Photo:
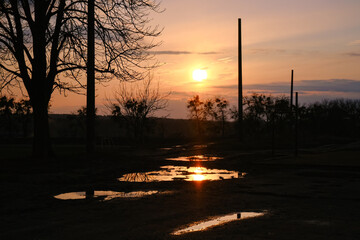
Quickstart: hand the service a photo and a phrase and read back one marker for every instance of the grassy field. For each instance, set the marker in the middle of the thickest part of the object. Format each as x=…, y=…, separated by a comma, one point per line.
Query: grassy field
x=313, y=196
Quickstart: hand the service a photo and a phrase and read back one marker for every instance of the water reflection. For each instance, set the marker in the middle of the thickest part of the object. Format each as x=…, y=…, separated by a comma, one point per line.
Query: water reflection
x=219, y=220
x=200, y=146
x=105, y=195
x=173, y=173
x=195, y=158
x=165, y=149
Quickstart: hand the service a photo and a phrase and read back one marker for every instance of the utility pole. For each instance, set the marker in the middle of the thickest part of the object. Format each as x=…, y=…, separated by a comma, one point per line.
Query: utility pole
x=296, y=123
x=240, y=92
x=90, y=91
x=291, y=90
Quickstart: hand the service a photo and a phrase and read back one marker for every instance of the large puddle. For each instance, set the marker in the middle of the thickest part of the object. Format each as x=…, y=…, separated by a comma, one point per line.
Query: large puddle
x=184, y=147
x=181, y=173
x=104, y=195
x=215, y=221
x=195, y=158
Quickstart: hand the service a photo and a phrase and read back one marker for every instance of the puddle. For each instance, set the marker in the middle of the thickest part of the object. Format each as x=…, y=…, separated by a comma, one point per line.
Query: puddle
x=177, y=147
x=104, y=195
x=200, y=146
x=181, y=173
x=215, y=221
x=195, y=158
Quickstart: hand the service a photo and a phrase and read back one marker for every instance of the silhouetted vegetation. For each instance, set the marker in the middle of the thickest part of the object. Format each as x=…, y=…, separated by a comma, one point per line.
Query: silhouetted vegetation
x=209, y=115
x=270, y=120
x=43, y=48
x=340, y=117
x=15, y=117
x=136, y=105
x=267, y=121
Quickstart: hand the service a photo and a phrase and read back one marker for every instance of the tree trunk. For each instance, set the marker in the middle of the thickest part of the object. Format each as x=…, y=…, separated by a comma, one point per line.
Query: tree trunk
x=41, y=144
x=41, y=86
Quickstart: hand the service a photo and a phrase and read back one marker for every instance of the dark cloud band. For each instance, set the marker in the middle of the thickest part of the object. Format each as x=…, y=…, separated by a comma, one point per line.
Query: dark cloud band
x=331, y=85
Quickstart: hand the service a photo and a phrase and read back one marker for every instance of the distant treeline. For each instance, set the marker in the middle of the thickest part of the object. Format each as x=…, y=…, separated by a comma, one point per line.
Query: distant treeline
x=15, y=118
x=266, y=119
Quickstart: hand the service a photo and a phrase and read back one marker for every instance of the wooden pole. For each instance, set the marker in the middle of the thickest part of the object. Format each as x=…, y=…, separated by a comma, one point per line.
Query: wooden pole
x=291, y=90
x=273, y=135
x=240, y=93
x=90, y=95
x=296, y=123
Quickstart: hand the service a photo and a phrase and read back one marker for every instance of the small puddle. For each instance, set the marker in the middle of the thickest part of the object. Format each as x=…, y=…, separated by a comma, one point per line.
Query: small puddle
x=167, y=149
x=181, y=173
x=219, y=220
x=104, y=195
x=200, y=146
x=195, y=158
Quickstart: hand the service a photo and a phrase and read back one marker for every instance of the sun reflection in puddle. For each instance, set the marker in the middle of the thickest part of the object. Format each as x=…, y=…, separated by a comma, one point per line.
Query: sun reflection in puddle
x=195, y=158
x=104, y=195
x=173, y=173
x=219, y=220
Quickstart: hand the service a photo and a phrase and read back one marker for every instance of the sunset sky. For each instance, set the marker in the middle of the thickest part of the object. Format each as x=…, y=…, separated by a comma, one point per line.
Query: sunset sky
x=319, y=39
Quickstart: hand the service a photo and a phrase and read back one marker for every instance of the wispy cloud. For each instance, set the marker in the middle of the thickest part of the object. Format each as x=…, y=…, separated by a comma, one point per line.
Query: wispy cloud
x=169, y=52
x=330, y=85
x=226, y=86
x=265, y=51
x=225, y=59
x=354, y=43
x=353, y=54
x=208, y=53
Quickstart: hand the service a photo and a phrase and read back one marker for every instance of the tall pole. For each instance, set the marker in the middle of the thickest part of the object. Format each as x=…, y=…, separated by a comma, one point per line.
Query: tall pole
x=296, y=123
x=90, y=94
x=291, y=89
x=240, y=94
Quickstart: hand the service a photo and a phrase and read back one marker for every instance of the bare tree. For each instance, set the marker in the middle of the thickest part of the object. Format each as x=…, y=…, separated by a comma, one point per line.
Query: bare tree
x=214, y=109
x=221, y=112
x=136, y=104
x=43, y=48
x=196, y=108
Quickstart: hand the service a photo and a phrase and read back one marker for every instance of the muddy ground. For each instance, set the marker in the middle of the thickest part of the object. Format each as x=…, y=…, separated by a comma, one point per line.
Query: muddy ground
x=313, y=196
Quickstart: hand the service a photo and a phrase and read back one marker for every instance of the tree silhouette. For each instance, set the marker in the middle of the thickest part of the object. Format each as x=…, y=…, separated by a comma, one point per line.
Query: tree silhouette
x=43, y=48
x=221, y=112
x=196, y=108
x=6, y=111
x=24, y=114
x=135, y=104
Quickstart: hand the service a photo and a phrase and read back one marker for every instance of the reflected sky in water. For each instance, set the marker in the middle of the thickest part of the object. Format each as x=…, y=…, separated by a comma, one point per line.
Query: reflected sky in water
x=200, y=146
x=215, y=221
x=195, y=158
x=105, y=195
x=173, y=173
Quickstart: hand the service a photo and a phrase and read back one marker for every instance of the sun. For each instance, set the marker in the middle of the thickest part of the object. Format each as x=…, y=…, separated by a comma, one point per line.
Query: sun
x=199, y=75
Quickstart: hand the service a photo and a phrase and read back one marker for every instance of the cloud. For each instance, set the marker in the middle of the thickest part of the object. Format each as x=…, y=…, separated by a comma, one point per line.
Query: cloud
x=331, y=85
x=208, y=53
x=226, y=87
x=169, y=52
x=265, y=51
x=180, y=93
x=353, y=54
x=354, y=43
x=225, y=59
